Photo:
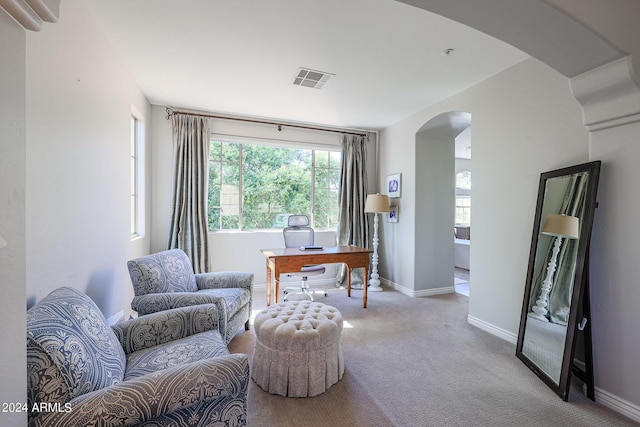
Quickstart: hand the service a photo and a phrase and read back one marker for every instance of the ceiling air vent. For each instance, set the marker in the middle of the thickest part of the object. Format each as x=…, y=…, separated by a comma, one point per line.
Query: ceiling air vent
x=311, y=78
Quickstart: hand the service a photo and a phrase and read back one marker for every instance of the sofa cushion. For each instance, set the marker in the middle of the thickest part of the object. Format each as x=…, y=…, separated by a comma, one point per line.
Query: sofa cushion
x=167, y=271
x=185, y=350
x=71, y=350
x=234, y=298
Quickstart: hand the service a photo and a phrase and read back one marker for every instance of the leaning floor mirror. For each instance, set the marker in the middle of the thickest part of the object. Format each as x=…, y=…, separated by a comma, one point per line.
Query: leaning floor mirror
x=555, y=311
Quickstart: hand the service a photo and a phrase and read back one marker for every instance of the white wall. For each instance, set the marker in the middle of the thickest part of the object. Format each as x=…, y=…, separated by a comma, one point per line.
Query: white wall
x=519, y=117
x=615, y=270
x=232, y=250
x=526, y=121
x=463, y=165
x=435, y=210
x=81, y=239
x=13, y=369
x=79, y=103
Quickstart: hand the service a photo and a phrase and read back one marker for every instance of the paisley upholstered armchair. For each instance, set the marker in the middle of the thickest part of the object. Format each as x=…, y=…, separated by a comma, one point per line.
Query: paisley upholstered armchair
x=166, y=280
x=169, y=368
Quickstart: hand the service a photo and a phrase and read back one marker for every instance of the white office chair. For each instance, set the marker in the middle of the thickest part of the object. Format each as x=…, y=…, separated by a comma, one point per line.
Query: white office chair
x=298, y=234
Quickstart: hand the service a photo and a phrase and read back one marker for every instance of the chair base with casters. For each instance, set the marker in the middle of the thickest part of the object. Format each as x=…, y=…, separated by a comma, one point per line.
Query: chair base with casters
x=299, y=234
x=309, y=270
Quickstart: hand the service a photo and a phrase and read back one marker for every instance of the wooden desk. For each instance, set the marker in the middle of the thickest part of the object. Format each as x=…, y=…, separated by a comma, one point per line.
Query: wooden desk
x=291, y=260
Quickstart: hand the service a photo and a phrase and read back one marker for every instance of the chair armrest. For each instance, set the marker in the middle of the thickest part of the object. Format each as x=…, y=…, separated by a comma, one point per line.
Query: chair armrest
x=152, y=303
x=164, y=326
x=225, y=279
x=192, y=385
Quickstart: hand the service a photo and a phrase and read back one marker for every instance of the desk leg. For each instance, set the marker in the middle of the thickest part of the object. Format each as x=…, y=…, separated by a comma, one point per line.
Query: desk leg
x=276, y=278
x=348, y=281
x=268, y=284
x=365, y=286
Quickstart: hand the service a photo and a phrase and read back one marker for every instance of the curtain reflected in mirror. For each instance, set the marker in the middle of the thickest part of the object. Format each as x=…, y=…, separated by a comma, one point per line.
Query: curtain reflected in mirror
x=562, y=229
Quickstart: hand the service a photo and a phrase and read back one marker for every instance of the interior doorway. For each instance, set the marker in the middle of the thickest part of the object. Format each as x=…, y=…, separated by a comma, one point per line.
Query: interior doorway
x=462, y=228
x=435, y=202
x=461, y=281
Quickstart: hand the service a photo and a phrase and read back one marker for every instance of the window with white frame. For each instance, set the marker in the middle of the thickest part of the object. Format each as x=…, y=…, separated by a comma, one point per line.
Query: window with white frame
x=463, y=198
x=137, y=177
x=463, y=180
x=463, y=210
x=256, y=186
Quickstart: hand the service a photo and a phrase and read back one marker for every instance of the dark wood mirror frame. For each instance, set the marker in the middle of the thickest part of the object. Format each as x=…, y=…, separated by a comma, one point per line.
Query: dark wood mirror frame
x=578, y=329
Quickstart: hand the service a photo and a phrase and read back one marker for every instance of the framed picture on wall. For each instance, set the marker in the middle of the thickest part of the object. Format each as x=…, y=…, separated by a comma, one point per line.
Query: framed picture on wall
x=394, y=185
x=393, y=214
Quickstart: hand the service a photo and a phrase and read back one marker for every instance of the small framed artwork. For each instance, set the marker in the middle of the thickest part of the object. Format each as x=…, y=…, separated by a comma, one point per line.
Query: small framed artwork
x=393, y=214
x=394, y=185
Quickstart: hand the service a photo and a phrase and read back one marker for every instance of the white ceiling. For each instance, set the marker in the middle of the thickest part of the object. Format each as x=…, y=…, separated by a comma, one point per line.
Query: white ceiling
x=241, y=56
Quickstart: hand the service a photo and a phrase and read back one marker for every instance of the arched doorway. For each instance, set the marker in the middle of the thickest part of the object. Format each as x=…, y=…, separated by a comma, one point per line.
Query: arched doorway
x=436, y=202
x=462, y=216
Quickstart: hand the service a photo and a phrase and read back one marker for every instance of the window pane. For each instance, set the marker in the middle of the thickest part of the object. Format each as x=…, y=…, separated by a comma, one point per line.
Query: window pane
x=136, y=179
x=133, y=175
x=321, y=201
x=276, y=182
x=230, y=152
x=230, y=199
x=321, y=219
x=224, y=185
x=322, y=178
x=334, y=178
x=333, y=218
x=463, y=210
x=214, y=218
x=214, y=150
x=214, y=173
x=463, y=180
x=333, y=198
x=230, y=222
x=322, y=159
x=336, y=160
x=327, y=182
x=258, y=186
x=230, y=174
x=133, y=215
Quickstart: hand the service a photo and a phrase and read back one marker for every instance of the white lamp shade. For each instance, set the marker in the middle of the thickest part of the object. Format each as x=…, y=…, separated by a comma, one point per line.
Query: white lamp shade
x=562, y=226
x=377, y=203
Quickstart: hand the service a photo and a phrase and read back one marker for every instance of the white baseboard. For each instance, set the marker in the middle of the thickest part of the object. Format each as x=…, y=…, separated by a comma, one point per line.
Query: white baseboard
x=603, y=397
x=493, y=330
x=617, y=404
x=420, y=293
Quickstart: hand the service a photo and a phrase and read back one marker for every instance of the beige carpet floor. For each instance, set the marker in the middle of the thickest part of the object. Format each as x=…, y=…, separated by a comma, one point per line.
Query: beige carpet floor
x=416, y=362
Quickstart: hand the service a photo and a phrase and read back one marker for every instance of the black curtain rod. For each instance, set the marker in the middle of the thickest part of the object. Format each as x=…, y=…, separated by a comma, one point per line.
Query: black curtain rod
x=171, y=112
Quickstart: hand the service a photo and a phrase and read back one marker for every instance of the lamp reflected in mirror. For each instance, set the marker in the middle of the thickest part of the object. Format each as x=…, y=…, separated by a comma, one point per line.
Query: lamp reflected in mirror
x=560, y=226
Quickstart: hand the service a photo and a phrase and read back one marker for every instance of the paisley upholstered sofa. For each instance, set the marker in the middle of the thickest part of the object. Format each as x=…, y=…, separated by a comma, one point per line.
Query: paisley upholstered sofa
x=166, y=280
x=168, y=368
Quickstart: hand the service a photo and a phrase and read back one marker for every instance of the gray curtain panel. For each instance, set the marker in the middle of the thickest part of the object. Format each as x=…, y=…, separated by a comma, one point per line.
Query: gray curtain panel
x=353, y=228
x=562, y=288
x=189, y=225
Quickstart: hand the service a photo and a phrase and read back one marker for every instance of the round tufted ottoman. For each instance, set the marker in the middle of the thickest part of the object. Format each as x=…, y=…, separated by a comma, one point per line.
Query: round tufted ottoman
x=298, y=350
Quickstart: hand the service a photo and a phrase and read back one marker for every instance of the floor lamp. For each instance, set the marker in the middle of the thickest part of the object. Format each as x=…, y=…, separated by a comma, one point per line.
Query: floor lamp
x=559, y=226
x=376, y=203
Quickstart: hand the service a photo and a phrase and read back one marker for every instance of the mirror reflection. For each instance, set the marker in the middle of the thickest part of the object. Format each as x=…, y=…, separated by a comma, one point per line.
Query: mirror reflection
x=554, y=272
